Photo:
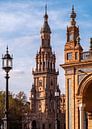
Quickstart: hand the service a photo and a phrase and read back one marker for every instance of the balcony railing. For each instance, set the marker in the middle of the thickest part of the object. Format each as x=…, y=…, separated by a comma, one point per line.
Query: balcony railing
x=86, y=55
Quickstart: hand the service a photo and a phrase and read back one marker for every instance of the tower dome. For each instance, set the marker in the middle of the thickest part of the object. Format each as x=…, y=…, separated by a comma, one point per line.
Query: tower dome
x=45, y=28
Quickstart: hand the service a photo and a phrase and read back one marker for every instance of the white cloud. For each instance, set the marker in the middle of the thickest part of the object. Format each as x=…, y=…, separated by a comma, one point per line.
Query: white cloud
x=9, y=22
x=18, y=72
x=13, y=17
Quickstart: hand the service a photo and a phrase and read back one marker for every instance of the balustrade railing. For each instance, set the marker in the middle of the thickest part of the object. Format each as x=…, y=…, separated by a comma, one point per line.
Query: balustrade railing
x=86, y=55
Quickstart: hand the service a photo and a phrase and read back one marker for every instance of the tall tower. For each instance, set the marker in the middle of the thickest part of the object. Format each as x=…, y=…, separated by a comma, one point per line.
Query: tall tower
x=78, y=79
x=72, y=56
x=45, y=81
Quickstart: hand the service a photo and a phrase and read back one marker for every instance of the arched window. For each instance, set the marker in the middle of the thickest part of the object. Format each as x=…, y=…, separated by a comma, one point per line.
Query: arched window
x=69, y=56
x=49, y=126
x=33, y=124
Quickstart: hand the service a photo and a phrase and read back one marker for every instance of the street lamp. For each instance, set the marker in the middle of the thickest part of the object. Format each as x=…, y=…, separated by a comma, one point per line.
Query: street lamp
x=7, y=66
x=57, y=94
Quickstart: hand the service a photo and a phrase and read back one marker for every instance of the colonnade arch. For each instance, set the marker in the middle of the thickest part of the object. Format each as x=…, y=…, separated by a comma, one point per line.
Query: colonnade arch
x=84, y=95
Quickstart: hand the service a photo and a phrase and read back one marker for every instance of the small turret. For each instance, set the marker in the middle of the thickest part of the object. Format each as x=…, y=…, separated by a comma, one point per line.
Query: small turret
x=78, y=40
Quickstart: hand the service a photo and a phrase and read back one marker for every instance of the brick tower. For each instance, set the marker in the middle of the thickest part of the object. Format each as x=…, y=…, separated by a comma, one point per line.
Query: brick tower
x=45, y=107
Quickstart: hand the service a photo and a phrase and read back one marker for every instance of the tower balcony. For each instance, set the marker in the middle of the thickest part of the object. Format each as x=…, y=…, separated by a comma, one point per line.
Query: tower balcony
x=45, y=71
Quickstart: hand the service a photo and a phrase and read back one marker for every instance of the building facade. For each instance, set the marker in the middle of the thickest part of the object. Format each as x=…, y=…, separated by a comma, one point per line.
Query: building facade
x=45, y=95
x=78, y=79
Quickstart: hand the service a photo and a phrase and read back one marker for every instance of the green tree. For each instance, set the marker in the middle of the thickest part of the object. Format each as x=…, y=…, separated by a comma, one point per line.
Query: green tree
x=18, y=106
x=2, y=104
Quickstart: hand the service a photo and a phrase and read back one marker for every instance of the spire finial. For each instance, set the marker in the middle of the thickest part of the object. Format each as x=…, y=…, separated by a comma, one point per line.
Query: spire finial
x=7, y=49
x=72, y=8
x=46, y=15
x=45, y=8
x=73, y=16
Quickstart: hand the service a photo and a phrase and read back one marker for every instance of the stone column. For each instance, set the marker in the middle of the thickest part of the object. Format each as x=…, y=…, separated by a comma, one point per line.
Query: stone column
x=67, y=110
x=81, y=109
x=89, y=120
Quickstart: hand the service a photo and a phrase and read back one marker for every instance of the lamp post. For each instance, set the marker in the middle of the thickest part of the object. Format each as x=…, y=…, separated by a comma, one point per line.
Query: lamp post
x=56, y=108
x=7, y=66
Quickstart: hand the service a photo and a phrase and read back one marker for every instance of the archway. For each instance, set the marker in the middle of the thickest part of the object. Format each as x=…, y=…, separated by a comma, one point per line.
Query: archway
x=87, y=98
x=85, y=93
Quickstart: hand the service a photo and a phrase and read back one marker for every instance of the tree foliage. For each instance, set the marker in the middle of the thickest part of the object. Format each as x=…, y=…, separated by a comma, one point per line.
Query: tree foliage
x=2, y=104
x=18, y=106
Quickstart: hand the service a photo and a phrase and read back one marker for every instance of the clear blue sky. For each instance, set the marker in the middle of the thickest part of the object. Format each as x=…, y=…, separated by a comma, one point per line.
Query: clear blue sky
x=20, y=24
